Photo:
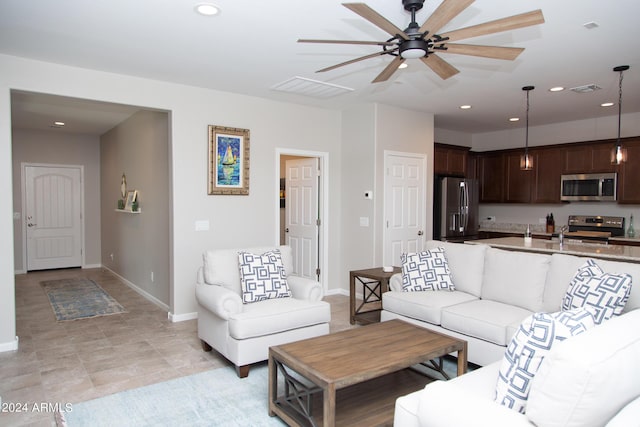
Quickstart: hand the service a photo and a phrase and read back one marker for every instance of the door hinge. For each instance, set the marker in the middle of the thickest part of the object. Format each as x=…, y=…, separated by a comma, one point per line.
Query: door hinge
x=317, y=272
x=318, y=222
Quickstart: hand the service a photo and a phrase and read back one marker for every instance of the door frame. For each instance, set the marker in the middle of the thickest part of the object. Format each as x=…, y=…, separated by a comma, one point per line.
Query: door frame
x=23, y=189
x=323, y=203
x=423, y=158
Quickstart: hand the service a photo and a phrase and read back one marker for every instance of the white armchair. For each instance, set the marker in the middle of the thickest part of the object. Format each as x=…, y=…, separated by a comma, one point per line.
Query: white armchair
x=243, y=333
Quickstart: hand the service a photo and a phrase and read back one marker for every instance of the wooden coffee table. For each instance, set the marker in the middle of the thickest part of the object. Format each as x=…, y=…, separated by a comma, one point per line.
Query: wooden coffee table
x=332, y=362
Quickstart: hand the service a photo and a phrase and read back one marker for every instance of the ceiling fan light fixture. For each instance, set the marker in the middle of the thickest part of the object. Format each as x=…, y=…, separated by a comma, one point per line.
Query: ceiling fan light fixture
x=412, y=49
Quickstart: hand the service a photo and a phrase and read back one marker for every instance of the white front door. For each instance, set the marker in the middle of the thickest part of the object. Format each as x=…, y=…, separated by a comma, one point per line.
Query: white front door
x=404, y=205
x=53, y=217
x=301, y=215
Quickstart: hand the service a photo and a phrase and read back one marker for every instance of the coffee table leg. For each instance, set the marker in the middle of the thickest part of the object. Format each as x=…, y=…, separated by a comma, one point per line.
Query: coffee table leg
x=462, y=360
x=273, y=381
x=329, y=401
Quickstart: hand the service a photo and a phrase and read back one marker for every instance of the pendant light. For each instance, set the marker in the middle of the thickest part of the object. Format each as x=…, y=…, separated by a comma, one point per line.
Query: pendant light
x=526, y=160
x=619, y=153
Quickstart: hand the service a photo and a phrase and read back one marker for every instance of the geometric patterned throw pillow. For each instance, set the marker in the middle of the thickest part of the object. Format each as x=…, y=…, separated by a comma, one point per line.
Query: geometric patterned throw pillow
x=426, y=271
x=262, y=277
x=604, y=294
x=528, y=348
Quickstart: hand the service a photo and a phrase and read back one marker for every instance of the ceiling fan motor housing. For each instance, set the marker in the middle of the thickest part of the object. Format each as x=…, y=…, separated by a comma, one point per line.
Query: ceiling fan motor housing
x=412, y=5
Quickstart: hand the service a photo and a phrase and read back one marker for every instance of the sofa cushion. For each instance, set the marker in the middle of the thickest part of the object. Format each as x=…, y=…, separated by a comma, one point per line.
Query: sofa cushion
x=466, y=263
x=515, y=278
x=277, y=315
x=262, y=276
x=604, y=294
x=426, y=271
x=524, y=354
x=586, y=380
x=426, y=306
x=220, y=266
x=484, y=319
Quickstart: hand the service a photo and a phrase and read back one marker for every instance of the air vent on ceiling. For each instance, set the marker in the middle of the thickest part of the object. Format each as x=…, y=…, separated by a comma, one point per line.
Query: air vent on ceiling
x=309, y=87
x=586, y=88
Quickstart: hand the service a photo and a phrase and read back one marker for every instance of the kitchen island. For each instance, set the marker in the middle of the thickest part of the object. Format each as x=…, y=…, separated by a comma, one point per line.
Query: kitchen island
x=595, y=250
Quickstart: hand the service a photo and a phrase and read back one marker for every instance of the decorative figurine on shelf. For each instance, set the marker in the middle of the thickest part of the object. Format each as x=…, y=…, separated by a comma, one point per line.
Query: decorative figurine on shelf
x=134, y=206
x=120, y=204
x=123, y=192
x=630, y=231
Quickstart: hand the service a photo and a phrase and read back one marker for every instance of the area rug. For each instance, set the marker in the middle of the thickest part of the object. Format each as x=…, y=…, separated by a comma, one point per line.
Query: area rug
x=73, y=299
x=212, y=398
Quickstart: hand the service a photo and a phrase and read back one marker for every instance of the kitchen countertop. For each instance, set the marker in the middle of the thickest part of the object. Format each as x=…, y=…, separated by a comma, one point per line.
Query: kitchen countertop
x=595, y=250
x=519, y=230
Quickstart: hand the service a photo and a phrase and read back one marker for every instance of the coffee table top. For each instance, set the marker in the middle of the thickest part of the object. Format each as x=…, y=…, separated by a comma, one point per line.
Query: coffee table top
x=356, y=355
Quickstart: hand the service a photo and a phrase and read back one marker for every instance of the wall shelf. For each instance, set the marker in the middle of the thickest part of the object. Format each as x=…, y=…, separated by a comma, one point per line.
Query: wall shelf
x=129, y=211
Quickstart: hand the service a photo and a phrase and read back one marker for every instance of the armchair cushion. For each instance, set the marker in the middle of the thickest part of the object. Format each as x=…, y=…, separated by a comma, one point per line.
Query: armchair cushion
x=277, y=315
x=262, y=276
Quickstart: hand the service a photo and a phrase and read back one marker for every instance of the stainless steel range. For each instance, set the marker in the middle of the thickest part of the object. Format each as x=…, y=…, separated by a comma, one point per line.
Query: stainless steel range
x=595, y=228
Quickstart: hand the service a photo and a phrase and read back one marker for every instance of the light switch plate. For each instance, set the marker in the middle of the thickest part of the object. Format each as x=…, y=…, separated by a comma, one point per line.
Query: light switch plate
x=202, y=225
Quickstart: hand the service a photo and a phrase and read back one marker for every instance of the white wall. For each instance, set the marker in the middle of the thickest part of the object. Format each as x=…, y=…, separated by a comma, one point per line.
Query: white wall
x=236, y=221
x=446, y=136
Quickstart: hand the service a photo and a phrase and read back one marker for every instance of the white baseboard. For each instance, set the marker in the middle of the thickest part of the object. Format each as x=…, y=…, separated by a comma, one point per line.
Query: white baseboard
x=93, y=266
x=20, y=272
x=182, y=317
x=142, y=292
x=9, y=346
x=339, y=291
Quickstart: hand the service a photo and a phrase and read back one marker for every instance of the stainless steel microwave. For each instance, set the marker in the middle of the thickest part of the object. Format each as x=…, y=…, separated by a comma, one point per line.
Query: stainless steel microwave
x=589, y=187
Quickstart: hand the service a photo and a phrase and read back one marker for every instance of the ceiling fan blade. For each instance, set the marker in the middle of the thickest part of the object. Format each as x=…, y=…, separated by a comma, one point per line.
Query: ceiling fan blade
x=505, y=24
x=495, y=52
x=440, y=66
x=375, y=18
x=347, y=42
x=351, y=61
x=447, y=10
x=389, y=70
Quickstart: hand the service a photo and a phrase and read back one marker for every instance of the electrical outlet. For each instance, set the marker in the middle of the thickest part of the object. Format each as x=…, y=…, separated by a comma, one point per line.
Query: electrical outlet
x=111, y=256
x=542, y=220
x=152, y=277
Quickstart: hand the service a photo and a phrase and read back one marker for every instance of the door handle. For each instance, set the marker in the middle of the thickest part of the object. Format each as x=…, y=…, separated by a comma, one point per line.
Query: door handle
x=420, y=233
x=286, y=230
x=31, y=225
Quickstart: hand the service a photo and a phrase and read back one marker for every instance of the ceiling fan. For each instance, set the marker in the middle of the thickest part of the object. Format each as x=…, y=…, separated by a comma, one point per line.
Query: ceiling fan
x=425, y=43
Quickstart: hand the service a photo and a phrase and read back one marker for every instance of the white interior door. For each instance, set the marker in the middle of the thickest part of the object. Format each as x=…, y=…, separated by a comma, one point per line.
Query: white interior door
x=53, y=217
x=301, y=215
x=404, y=205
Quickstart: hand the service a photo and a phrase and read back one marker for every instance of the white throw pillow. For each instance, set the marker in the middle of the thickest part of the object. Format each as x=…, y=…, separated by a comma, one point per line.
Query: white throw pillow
x=532, y=342
x=426, y=271
x=604, y=294
x=262, y=277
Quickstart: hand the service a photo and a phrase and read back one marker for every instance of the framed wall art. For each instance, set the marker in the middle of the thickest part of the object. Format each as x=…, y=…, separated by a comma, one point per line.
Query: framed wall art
x=228, y=161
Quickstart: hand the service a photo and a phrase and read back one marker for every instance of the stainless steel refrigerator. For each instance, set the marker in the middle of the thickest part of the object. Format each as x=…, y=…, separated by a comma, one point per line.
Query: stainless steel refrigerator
x=455, y=209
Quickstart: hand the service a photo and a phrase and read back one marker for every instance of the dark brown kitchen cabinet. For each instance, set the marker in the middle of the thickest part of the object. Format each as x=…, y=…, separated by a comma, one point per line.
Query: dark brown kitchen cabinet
x=547, y=172
x=491, y=176
x=450, y=160
x=588, y=158
x=629, y=174
x=517, y=181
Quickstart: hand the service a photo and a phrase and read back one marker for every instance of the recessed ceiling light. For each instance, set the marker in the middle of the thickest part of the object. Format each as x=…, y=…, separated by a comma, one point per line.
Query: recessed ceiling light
x=465, y=107
x=514, y=119
x=590, y=25
x=58, y=123
x=556, y=89
x=403, y=65
x=207, y=9
x=607, y=104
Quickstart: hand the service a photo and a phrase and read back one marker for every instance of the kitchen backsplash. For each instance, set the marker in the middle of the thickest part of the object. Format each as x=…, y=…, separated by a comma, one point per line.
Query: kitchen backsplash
x=510, y=227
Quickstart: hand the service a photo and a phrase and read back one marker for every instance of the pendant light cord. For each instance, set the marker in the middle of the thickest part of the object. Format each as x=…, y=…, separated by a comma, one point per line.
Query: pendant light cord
x=619, y=105
x=526, y=138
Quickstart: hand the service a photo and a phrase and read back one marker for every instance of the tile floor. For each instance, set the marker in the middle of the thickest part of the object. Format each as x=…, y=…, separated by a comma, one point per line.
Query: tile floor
x=74, y=361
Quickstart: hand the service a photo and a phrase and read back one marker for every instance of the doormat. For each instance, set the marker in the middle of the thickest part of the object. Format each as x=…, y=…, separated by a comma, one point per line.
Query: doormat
x=73, y=299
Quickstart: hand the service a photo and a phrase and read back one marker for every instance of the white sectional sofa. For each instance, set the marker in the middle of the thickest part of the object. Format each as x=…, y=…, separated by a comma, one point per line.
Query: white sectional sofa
x=495, y=290
x=590, y=379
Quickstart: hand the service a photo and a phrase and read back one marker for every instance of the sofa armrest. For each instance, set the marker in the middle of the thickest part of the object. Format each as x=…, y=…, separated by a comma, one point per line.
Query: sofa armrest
x=220, y=301
x=441, y=402
x=305, y=289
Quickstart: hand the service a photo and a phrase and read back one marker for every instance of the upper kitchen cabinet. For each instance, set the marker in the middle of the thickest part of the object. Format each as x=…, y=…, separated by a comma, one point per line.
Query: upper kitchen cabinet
x=517, y=181
x=491, y=176
x=588, y=158
x=450, y=160
x=546, y=181
x=629, y=173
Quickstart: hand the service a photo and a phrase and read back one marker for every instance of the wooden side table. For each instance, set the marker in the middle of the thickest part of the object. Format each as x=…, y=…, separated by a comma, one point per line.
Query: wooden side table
x=374, y=283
